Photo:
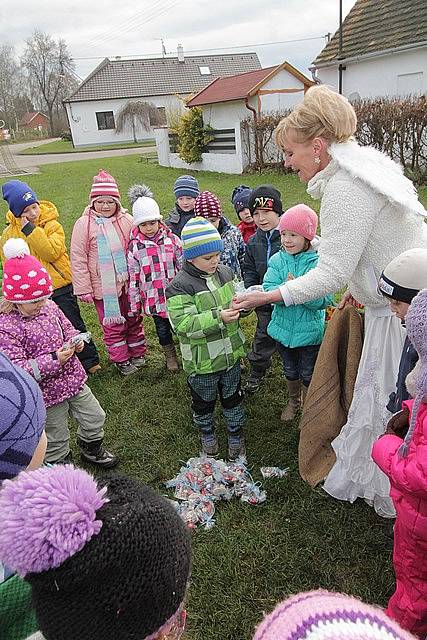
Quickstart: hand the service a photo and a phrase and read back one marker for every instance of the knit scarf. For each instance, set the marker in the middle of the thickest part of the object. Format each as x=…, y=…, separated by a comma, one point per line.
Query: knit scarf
x=113, y=268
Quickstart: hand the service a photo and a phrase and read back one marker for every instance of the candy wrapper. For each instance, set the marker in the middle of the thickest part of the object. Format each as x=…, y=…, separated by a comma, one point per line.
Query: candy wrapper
x=274, y=472
x=204, y=481
x=80, y=337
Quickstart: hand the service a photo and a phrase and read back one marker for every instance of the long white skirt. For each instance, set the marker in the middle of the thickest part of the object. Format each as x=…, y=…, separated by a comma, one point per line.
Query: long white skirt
x=354, y=474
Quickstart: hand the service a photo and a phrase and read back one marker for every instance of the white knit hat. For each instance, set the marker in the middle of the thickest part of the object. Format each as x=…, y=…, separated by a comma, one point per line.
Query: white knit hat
x=144, y=207
x=405, y=276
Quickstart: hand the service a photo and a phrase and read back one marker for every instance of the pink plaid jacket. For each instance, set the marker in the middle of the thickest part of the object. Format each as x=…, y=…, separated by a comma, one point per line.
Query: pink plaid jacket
x=152, y=265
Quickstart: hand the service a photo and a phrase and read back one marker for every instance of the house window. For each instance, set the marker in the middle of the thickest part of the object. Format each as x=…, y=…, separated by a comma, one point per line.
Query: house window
x=105, y=120
x=205, y=71
x=161, y=117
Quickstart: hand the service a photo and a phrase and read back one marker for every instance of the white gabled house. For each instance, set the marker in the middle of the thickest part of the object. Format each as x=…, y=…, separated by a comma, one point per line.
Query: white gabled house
x=383, y=52
x=92, y=109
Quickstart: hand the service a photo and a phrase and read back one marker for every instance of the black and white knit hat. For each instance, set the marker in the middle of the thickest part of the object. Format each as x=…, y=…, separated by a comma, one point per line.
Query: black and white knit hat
x=404, y=276
x=107, y=559
x=266, y=197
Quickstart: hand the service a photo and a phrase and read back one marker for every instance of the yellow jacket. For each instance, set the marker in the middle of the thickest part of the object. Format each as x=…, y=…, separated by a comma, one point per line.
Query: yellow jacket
x=46, y=242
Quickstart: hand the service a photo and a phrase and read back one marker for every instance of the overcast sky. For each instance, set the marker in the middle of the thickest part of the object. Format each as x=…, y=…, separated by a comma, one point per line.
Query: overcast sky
x=108, y=28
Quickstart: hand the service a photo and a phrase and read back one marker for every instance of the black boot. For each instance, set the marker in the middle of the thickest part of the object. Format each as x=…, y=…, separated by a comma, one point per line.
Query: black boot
x=94, y=452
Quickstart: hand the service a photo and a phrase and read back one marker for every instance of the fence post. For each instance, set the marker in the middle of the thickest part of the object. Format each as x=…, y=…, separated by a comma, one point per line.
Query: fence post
x=161, y=135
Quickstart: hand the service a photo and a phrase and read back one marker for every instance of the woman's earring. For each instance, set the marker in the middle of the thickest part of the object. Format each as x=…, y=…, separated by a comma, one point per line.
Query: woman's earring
x=317, y=160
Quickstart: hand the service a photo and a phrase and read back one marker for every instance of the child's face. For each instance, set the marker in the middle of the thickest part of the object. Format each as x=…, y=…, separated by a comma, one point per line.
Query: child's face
x=246, y=216
x=186, y=203
x=38, y=455
x=105, y=206
x=31, y=309
x=149, y=228
x=207, y=263
x=31, y=212
x=214, y=220
x=400, y=309
x=265, y=219
x=292, y=242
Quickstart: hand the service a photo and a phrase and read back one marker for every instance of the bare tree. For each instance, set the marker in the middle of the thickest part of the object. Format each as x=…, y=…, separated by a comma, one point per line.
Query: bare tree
x=47, y=62
x=10, y=85
x=137, y=112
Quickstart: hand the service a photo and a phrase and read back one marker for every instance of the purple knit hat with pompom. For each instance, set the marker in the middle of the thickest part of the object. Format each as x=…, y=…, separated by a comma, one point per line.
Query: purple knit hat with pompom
x=323, y=615
x=416, y=328
x=107, y=559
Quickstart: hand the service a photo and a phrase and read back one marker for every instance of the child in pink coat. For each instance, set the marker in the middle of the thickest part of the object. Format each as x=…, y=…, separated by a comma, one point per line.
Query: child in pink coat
x=98, y=260
x=402, y=454
x=154, y=258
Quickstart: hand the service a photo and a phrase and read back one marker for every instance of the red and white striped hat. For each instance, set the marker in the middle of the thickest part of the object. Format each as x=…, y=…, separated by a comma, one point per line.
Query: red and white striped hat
x=24, y=278
x=104, y=185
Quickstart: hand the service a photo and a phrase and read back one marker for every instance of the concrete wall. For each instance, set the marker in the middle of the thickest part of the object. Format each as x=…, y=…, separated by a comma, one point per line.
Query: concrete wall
x=397, y=74
x=222, y=162
x=84, y=126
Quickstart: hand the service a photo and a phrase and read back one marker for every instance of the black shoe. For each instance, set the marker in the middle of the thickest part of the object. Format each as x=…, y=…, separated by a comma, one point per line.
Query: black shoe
x=252, y=383
x=94, y=452
x=68, y=459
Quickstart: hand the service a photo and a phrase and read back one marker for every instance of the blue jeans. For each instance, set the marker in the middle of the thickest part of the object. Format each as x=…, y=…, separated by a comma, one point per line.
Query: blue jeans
x=298, y=363
x=163, y=330
x=204, y=389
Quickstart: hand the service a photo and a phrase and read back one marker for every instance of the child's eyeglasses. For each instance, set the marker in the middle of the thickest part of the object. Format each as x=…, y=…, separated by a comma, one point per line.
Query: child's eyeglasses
x=105, y=203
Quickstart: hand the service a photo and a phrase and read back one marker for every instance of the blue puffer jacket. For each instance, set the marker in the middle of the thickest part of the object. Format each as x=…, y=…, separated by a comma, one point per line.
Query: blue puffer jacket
x=303, y=324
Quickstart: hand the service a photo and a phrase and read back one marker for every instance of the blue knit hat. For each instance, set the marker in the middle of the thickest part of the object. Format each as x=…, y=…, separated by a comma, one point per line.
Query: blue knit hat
x=186, y=186
x=22, y=418
x=240, y=197
x=200, y=237
x=18, y=195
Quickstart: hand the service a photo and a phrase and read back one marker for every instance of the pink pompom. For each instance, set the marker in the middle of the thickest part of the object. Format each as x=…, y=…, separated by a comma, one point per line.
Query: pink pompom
x=47, y=516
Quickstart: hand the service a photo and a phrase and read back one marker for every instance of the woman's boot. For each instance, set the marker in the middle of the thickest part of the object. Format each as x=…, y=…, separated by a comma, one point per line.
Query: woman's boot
x=294, y=402
x=171, y=359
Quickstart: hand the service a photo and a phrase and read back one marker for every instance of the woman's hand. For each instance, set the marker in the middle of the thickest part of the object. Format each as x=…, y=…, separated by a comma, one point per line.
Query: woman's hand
x=250, y=300
x=64, y=355
x=348, y=299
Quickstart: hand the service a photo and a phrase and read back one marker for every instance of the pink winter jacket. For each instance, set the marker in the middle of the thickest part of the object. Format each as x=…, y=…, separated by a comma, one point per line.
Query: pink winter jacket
x=408, y=476
x=84, y=251
x=31, y=344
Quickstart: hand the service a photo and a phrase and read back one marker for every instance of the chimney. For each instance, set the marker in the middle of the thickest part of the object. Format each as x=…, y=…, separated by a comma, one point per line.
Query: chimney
x=180, y=50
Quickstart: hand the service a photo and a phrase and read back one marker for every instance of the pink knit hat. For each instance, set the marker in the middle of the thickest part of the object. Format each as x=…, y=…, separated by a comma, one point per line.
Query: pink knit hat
x=24, y=278
x=207, y=205
x=104, y=185
x=323, y=615
x=299, y=219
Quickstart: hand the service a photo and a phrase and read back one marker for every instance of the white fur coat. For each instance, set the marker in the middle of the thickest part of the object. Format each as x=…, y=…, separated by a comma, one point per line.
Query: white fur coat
x=369, y=214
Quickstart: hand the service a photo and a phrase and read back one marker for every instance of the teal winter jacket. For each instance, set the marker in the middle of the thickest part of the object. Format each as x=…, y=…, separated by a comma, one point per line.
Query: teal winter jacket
x=303, y=324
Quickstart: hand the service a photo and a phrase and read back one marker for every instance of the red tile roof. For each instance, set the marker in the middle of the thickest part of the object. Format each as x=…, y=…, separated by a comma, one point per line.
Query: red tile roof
x=27, y=117
x=240, y=86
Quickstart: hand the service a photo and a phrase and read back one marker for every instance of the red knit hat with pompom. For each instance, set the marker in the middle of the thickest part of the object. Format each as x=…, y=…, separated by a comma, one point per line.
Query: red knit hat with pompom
x=104, y=185
x=24, y=278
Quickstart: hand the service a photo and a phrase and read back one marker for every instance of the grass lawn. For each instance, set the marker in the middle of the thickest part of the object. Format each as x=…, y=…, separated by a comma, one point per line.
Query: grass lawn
x=64, y=146
x=255, y=555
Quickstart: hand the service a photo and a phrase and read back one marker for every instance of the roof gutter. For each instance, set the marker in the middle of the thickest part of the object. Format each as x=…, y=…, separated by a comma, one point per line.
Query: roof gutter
x=372, y=54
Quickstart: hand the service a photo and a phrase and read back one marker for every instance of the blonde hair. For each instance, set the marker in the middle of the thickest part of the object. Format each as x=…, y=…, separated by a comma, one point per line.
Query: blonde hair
x=323, y=113
x=6, y=306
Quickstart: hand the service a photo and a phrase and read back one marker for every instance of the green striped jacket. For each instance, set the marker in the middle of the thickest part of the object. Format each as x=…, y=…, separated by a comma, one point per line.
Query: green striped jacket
x=194, y=303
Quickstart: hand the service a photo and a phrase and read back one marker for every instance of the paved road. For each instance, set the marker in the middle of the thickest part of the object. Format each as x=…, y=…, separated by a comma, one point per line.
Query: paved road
x=32, y=163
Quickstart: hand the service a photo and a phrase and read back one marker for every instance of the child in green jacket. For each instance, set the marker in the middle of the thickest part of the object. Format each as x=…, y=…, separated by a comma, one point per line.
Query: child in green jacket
x=299, y=329
x=211, y=341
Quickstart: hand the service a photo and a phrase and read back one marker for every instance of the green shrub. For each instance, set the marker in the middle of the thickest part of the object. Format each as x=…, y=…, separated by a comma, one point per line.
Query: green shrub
x=193, y=135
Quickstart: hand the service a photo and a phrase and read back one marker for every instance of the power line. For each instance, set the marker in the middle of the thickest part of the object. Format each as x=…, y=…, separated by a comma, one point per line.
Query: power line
x=243, y=46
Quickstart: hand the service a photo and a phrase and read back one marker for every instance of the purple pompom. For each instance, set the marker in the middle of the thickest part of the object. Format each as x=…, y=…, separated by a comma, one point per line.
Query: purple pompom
x=47, y=516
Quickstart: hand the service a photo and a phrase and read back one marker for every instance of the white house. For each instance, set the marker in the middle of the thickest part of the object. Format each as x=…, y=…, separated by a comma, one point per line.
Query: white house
x=92, y=109
x=383, y=51
x=226, y=102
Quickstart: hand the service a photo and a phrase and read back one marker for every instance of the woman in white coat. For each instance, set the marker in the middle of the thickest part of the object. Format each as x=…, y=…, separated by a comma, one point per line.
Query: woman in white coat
x=369, y=214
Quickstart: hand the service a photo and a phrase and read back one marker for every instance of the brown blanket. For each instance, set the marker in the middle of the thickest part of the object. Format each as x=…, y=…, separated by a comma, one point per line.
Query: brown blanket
x=329, y=394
